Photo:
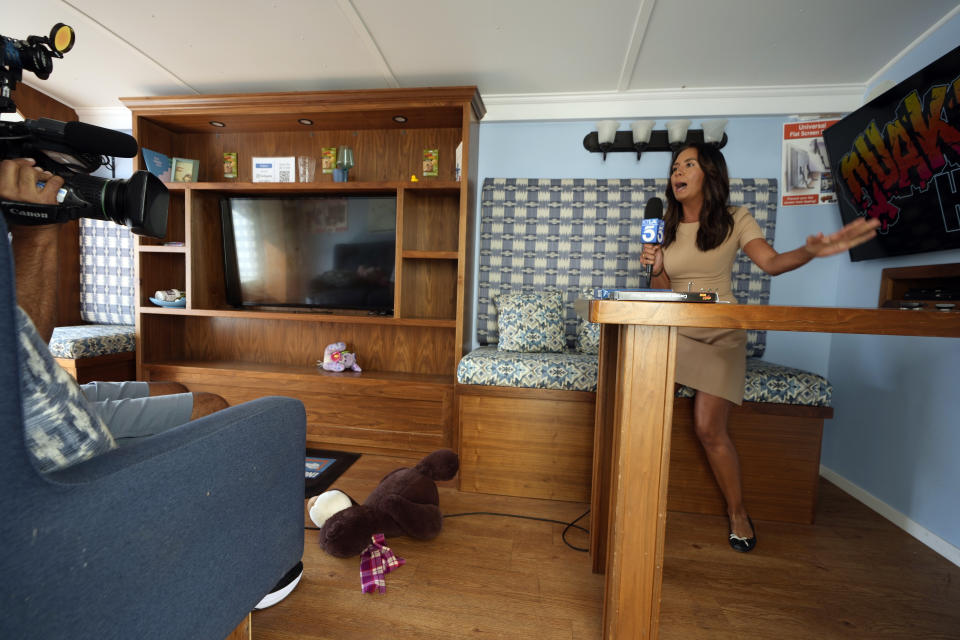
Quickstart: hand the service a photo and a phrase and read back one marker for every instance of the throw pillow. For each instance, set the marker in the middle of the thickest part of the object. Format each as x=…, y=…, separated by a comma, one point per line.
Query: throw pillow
x=530, y=322
x=588, y=333
x=60, y=429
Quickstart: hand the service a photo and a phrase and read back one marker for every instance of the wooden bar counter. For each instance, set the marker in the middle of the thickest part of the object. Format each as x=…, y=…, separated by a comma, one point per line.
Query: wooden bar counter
x=633, y=421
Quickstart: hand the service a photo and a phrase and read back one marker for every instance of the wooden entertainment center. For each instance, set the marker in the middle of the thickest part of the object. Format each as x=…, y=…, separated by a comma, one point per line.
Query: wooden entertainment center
x=403, y=399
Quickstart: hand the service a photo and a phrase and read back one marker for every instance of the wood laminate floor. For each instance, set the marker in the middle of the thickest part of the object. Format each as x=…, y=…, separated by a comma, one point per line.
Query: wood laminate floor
x=851, y=575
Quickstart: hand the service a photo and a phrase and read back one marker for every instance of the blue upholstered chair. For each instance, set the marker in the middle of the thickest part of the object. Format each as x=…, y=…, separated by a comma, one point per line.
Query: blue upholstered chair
x=176, y=536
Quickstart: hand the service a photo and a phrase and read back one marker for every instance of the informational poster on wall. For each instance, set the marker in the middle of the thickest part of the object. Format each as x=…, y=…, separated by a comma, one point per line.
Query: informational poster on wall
x=805, y=171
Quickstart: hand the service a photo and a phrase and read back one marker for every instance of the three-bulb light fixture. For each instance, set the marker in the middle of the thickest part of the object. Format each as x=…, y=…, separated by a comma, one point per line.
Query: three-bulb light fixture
x=642, y=137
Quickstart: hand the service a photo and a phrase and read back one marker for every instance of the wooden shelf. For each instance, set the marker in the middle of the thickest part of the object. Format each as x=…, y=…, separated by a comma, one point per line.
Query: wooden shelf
x=430, y=255
x=897, y=281
x=441, y=186
x=241, y=314
x=281, y=371
x=159, y=248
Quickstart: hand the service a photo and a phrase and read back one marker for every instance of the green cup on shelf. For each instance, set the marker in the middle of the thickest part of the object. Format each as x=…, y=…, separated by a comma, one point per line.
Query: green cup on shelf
x=344, y=164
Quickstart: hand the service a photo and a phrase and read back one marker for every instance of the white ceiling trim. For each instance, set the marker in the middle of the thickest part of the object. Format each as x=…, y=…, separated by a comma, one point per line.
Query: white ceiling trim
x=633, y=51
x=720, y=101
x=360, y=27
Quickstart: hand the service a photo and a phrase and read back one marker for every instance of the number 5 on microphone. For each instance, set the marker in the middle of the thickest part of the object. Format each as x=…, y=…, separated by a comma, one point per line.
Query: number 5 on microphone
x=651, y=231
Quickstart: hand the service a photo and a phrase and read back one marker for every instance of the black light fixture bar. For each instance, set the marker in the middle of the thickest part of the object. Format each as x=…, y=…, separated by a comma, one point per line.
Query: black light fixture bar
x=659, y=141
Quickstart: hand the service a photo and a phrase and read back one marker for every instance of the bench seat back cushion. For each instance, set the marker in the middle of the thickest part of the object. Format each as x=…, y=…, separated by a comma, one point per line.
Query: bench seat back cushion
x=90, y=340
x=573, y=371
x=568, y=235
x=106, y=273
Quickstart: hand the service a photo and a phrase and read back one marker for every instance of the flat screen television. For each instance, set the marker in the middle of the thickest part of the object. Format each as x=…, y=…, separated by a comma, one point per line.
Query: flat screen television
x=314, y=252
x=897, y=158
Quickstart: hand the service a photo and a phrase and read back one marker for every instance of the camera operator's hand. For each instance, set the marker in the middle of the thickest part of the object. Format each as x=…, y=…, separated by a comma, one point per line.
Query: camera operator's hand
x=35, y=248
x=19, y=178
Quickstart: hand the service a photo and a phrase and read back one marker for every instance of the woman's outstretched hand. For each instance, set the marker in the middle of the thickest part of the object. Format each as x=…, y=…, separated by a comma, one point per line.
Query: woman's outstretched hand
x=851, y=235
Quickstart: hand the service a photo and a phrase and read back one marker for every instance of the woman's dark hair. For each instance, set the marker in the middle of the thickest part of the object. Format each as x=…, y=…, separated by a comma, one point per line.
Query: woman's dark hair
x=716, y=221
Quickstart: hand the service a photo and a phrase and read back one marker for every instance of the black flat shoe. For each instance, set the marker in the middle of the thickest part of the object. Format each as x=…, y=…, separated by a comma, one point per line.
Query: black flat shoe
x=744, y=545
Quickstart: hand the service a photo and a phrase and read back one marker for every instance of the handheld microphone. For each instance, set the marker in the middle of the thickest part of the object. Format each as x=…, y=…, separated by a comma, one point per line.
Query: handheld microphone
x=651, y=232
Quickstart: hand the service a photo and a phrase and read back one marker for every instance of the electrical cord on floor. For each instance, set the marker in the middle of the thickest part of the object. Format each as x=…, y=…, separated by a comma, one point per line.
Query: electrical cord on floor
x=567, y=527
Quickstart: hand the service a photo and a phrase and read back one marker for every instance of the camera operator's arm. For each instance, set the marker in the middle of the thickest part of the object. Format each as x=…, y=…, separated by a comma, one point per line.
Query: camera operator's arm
x=35, y=248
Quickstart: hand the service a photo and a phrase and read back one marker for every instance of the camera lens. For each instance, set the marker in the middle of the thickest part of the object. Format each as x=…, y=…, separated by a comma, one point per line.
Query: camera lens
x=139, y=202
x=37, y=60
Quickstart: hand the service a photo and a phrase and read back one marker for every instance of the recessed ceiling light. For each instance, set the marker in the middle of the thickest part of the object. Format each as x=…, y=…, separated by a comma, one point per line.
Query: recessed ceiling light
x=217, y=123
x=305, y=121
x=400, y=119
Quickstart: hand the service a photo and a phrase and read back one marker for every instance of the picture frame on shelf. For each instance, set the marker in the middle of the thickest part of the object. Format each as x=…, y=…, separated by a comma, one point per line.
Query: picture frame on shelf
x=431, y=163
x=328, y=159
x=184, y=170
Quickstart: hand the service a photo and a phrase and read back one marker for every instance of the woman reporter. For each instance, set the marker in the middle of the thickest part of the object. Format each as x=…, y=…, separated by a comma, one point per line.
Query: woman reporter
x=702, y=235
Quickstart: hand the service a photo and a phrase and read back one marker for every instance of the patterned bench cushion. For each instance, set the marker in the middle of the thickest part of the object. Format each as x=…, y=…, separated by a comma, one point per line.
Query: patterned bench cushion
x=569, y=371
x=779, y=384
x=572, y=371
x=89, y=340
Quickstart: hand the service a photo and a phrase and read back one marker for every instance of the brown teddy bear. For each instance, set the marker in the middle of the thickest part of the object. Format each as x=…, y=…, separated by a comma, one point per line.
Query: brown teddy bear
x=405, y=503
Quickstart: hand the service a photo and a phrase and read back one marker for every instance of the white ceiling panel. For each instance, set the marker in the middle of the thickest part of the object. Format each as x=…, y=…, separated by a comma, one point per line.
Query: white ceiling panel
x=562, y=58
x=223, y=47
x=504, y=46
x=738, y=43
x=100, y=68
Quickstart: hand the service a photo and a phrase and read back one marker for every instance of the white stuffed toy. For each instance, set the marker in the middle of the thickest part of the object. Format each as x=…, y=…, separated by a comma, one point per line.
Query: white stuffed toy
x=337, y=358
x=328, y=503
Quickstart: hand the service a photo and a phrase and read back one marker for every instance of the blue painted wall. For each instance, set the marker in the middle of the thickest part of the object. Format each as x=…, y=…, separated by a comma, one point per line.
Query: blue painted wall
x=896, y=430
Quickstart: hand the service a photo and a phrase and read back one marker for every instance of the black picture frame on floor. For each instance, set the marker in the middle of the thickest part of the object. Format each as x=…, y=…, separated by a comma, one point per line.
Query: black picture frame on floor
x=342, y=461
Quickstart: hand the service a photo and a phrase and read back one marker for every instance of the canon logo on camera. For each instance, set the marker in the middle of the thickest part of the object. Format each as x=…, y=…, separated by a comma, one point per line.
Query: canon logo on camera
x=28, y=213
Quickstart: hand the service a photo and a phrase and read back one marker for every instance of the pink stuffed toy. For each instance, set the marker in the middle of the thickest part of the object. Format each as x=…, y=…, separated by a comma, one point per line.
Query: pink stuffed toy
x=337, y=358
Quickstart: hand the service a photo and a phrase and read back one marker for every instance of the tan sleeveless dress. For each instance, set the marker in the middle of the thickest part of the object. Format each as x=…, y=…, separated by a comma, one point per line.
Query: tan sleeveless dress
x=710, y=360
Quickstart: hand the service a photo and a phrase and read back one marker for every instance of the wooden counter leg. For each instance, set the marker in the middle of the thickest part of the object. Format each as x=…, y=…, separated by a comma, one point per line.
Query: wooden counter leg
x=639, y=445
x=603, y=445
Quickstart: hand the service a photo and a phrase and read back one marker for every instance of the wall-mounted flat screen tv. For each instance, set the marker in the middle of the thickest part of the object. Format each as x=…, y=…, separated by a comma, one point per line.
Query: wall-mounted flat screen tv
x=897, y=159
x=318, y=252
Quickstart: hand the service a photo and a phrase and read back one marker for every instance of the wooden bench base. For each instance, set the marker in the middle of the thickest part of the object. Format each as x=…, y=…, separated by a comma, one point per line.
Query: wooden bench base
x=118, y=367
x=538, y=443
x=535, y=443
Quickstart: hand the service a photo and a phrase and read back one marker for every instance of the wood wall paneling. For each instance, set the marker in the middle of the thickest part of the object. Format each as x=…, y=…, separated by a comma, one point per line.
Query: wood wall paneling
x=379, y=155
x=417, y=350
x=160, y=271
x=206, y=250
x=354, y=410
x=431, y=221
x=33, y=104
x=430, y=289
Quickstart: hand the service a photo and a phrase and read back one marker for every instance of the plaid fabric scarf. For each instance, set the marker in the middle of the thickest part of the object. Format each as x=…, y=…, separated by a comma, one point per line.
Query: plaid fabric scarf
x=376, y=561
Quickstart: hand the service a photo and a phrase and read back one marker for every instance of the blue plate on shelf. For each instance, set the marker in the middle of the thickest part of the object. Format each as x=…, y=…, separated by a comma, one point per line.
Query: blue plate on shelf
x=181, y=303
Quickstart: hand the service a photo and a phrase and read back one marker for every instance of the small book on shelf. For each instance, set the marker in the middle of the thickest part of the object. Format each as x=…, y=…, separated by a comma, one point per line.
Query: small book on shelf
x=157, y=163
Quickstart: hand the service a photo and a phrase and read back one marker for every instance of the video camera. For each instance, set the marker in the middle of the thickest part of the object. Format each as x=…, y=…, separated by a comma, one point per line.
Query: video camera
x=71, y=150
